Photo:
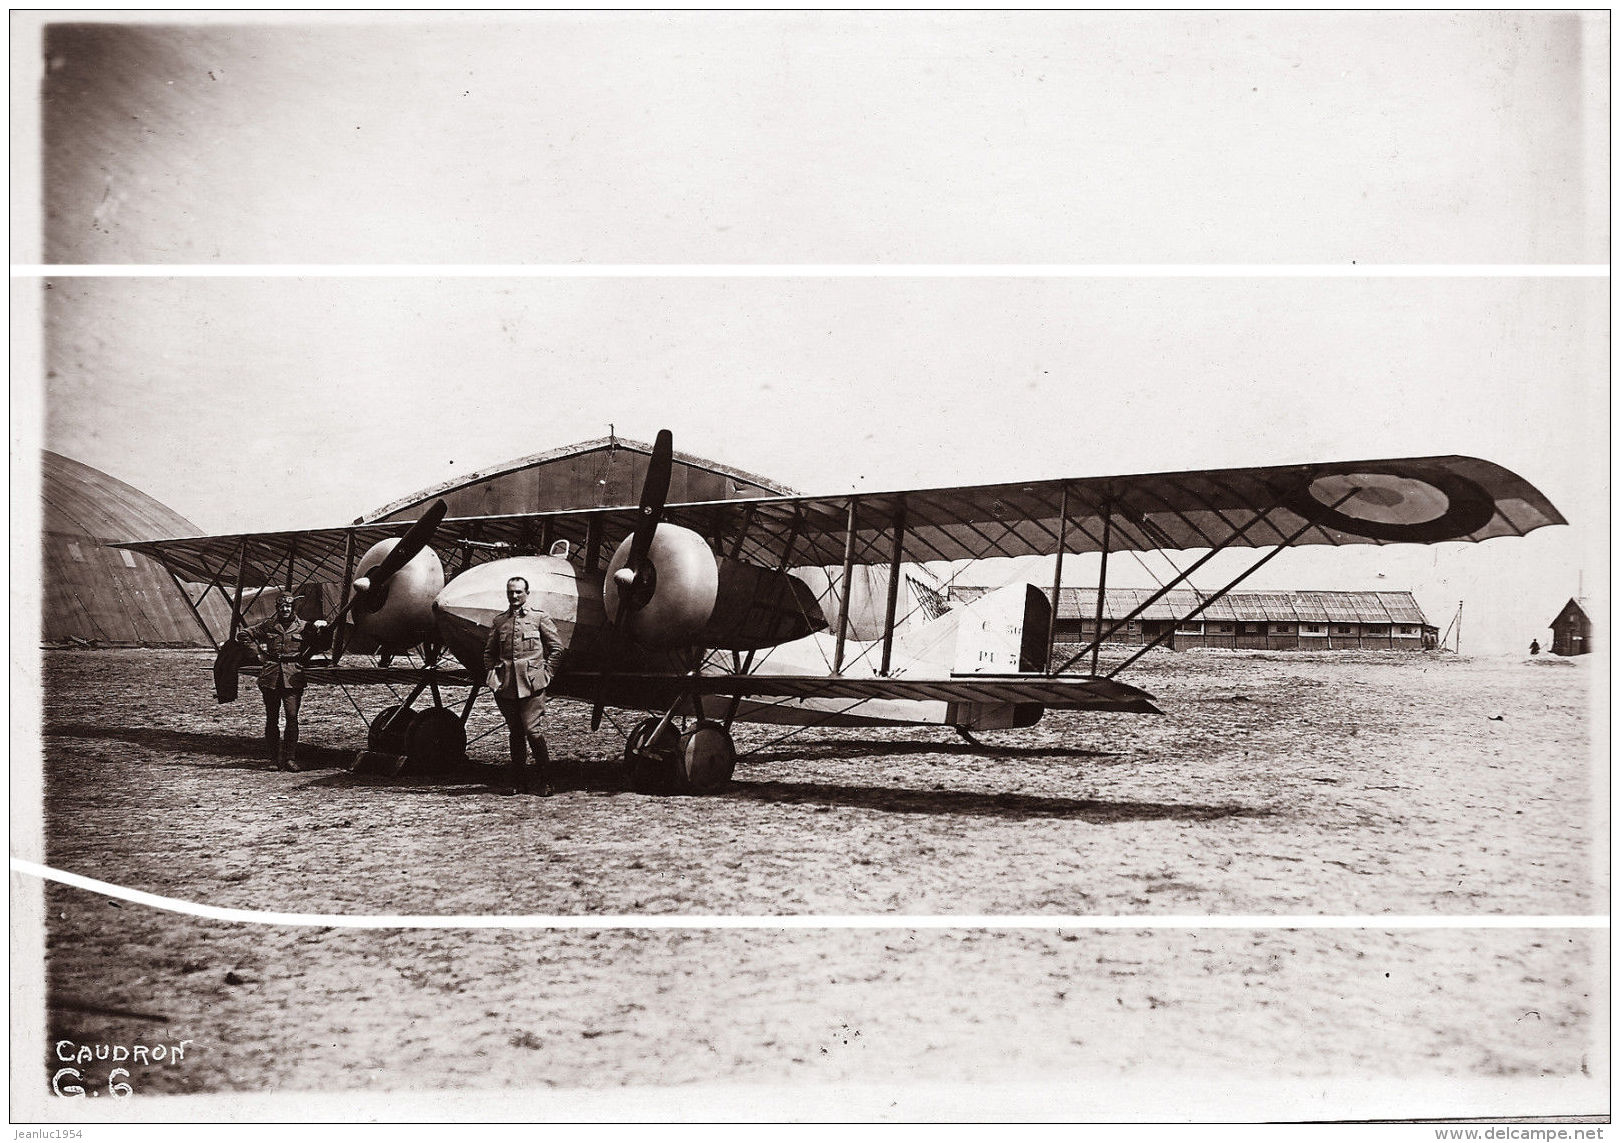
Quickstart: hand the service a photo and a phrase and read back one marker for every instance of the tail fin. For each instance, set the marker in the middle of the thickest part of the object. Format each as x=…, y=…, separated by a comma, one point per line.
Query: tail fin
x=1002, y=632
x=1032, y=653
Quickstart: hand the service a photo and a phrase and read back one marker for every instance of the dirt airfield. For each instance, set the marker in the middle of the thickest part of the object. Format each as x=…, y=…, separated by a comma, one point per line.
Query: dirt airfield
x=1368, y=783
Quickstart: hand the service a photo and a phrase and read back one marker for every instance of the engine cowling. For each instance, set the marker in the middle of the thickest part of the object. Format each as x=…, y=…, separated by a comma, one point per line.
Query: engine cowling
x=692, y=598
x=399, y=613
x=679, y=589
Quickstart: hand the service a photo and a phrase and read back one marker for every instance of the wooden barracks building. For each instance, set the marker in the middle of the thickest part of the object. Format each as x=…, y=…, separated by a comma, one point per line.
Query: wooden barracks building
x=1258, y=620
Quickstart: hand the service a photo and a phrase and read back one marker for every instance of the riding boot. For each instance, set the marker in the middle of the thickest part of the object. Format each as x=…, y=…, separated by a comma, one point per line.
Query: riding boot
x=291, y=740
x=272, y=739
x=517, y=772
x=542, y=761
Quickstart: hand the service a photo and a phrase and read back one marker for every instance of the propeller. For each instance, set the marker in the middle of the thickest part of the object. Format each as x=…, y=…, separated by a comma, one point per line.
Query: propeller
x=368, y=588
x=638, y=577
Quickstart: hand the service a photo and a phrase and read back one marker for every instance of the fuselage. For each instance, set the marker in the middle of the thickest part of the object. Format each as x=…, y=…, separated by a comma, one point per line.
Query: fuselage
x=700, y=605
x=982, y=636
x=466, y=609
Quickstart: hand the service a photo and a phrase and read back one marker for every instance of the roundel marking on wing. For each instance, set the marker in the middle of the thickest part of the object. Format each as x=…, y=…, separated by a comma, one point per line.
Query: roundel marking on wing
x=1387, y=504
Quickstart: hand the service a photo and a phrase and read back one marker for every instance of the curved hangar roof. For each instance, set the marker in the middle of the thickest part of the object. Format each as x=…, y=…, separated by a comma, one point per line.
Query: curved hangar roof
x=99, y=594
x=602, y=473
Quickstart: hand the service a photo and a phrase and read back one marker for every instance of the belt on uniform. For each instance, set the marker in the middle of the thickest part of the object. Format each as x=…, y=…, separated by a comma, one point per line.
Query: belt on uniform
x=288, y=658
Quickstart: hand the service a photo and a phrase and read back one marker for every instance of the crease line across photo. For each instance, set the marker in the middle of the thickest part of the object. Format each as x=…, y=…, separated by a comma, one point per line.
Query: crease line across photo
x=820, y=270
x=804, y=921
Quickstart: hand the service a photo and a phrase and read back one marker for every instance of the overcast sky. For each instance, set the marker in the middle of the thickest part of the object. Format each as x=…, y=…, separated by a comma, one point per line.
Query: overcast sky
x=258, y=403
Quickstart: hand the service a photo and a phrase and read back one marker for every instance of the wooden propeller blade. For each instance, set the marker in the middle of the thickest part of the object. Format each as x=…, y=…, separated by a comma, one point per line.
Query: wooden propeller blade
x=609, y=665
x=412, y=542
x=654, y=491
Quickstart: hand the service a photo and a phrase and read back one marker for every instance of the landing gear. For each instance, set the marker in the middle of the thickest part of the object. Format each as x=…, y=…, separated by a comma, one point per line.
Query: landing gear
x=435, y=742
x=698, y=761
x=707, y=757
x=388, y=730
x=648, y=761
x=427, y=741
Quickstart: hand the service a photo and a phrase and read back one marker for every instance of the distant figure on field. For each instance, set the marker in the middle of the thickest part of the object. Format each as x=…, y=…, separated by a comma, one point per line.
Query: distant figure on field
x=520, y=656
x=1535, y=647
x=287, y=642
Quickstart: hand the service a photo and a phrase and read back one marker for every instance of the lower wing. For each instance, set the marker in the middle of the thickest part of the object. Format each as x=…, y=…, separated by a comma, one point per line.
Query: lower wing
x=1095, y=694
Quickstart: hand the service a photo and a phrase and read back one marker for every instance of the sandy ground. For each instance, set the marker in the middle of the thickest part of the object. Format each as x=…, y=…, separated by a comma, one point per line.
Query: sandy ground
x=1274, y=784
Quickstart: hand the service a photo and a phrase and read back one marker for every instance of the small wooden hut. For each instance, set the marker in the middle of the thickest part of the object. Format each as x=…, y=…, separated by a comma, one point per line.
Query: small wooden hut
x=1572, y=630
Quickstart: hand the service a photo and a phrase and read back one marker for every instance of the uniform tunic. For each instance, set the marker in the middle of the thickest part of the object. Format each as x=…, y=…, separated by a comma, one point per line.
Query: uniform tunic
x=283, y=645
x=519, y=653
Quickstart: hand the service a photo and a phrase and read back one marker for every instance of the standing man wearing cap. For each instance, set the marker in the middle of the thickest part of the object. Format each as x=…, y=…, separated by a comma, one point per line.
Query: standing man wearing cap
x=520, y=656
x=286, y=642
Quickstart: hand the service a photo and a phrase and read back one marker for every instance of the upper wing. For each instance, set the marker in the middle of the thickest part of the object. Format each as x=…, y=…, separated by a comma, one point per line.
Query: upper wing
x=1414, y=500
x=258, y=559
x=1419, y=500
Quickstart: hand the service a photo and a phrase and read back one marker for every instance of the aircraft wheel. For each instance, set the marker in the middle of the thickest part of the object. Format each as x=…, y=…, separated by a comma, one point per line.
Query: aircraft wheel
x=651, y=764
x=706, y=760
x=435, y=741
x=389, y=729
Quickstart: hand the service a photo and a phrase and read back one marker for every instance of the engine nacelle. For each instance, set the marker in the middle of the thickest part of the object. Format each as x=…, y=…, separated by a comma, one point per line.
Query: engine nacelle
x=681, y=592
x=698, y=599
x=399, y=614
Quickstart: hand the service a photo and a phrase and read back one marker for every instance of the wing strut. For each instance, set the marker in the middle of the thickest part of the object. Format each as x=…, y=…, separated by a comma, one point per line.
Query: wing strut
x=894, y=584
x=1057, y=576
x=1161, y=593
x=1199, y=610
x=236, y=604
x=843, y=602
x=340, y=640
x=1102, y=579
x=195, y=614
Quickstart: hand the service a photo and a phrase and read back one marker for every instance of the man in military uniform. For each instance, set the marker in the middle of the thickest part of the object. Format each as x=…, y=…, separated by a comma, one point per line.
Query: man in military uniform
x=520, y=657
x=286, y=641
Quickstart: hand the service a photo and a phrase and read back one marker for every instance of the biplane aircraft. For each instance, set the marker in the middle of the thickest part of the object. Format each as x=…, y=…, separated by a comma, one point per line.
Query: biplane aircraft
x=703, y=614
